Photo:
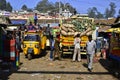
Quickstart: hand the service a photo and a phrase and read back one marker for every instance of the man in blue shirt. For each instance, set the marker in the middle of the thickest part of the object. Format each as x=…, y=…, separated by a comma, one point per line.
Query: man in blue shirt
x=31, y=27
x=35, y=19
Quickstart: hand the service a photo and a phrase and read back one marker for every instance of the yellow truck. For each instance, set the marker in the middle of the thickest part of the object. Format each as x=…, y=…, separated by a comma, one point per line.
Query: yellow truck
x=82, y=25
x=67, y=44
x=84, y=40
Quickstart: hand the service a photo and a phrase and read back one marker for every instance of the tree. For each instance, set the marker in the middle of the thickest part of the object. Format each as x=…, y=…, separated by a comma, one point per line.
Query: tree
x=2, y=4
x=45, y=5
x=30, y=10
x=5, y=6
x=112, y=9
x=92, y=12
x=75, y=12
x=99, y=15
x=56, y=5
x=70, y=8
x=24, y=7
x=107, y=13
x=110, y=12
x=42, y=6
x=8, y=7
x=119, y=12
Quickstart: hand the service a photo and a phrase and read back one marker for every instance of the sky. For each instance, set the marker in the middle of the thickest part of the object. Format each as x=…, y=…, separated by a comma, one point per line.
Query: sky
x=80, y=5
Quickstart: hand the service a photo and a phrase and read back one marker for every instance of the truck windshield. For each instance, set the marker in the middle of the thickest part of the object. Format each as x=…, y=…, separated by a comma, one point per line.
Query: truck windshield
x=32, y=38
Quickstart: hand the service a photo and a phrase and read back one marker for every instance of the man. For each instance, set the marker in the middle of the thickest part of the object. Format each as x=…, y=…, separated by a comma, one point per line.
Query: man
x=77, y=48
x=90, y=50
x=51, y=47
x=104, y=48
x=35, y=19
x=98, y=48
x=56, y=45
x=30, y=26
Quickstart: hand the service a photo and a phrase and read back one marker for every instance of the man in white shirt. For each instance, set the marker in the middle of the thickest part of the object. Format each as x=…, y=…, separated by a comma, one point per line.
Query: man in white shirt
x=77, y=48
x=90, y=49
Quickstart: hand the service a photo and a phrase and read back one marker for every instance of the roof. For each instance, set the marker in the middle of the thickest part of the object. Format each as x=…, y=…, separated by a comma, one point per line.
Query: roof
x=116, y=25
x=113, y=30
x=4, y=20
x=103, y=28
x=108, y=21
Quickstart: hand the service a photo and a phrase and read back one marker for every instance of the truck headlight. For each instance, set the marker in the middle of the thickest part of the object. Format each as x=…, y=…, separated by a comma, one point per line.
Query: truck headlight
x=24, y=46
x=37, y=46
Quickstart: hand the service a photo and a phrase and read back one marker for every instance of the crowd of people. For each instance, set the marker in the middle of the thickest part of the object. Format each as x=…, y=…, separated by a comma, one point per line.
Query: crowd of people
x=94, y=48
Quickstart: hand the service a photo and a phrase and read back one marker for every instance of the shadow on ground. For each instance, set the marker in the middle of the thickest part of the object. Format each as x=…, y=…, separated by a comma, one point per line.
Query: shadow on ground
x=112, y=68
x=62, y=72
x=6, y=69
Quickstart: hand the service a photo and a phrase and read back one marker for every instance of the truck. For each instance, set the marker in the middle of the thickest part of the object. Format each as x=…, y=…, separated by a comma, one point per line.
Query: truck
x=82, y=25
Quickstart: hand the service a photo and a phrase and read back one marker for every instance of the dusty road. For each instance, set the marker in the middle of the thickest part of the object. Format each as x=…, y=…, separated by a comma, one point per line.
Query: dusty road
x=43, y=69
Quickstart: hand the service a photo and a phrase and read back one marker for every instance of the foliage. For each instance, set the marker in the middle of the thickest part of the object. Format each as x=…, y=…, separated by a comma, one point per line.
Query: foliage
x=92, y=12
x=110, y=12
x=5, y=6
x=8, y=7
x=29, y=10
x=45, y=5
x=119, y=12
x=2, y=4
x=81, y=24
x=24, y=7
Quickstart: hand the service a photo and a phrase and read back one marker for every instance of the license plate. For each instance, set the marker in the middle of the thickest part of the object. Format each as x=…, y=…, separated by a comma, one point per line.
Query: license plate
x=65, y=49
x=30, y=50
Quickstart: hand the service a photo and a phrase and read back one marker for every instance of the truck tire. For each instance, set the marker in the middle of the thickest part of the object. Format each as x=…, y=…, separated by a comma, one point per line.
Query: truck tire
x=26, y=56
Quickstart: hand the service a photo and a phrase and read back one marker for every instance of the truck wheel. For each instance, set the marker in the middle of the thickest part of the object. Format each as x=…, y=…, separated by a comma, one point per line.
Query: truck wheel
x=29, y=56
x=26, y=56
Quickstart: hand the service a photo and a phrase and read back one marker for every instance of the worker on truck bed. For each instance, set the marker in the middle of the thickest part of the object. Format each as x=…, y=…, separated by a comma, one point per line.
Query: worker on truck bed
x=77, y=48
x=31, y=26
x=35, y=19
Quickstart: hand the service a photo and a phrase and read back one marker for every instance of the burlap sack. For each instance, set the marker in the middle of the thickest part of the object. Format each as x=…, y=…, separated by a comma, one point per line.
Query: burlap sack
x=64, y=28
x=89, y=33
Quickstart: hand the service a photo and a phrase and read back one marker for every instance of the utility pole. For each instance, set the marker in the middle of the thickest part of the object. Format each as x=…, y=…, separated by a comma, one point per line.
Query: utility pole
x=60, y=10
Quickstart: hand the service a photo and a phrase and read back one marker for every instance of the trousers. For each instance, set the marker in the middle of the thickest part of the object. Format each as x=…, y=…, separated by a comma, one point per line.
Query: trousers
x=90, y=60
x=77, y=51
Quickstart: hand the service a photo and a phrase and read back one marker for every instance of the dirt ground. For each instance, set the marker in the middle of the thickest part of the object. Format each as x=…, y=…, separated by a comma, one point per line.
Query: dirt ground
x=43, y=69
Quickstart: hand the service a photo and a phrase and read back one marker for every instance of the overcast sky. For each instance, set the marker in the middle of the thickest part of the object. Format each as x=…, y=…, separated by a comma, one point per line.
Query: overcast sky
x=81, y=5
